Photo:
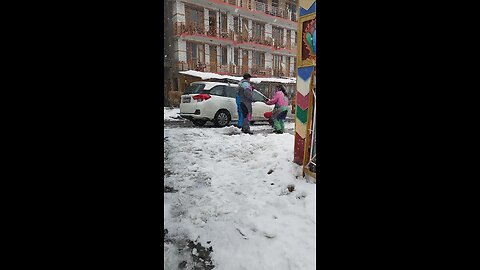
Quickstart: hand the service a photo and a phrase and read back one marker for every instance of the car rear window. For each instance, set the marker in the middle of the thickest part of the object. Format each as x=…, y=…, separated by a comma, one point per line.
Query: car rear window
x=195, y=89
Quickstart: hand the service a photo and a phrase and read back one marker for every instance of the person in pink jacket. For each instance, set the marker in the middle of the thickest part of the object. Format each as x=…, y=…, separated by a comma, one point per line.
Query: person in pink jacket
x=279, y=113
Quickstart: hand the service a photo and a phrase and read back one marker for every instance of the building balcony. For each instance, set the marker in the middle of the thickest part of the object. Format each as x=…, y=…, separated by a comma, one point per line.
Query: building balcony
x=223, y=37
x=281, y=12
x=189, y=28
x=191, y=65
x=259, y=6
x=283, y=72
x=235, y=70
x=230, y=69
x=259, y=71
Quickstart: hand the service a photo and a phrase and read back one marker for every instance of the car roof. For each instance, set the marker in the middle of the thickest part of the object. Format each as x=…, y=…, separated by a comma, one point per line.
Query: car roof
x=210, y=85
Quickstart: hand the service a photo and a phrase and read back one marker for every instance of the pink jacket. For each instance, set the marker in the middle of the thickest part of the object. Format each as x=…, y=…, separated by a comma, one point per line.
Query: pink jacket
x=279, y=99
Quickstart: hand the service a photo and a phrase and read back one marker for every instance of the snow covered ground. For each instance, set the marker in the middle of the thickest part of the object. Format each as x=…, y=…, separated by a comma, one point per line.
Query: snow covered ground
x=237, y=197
x=171, y=114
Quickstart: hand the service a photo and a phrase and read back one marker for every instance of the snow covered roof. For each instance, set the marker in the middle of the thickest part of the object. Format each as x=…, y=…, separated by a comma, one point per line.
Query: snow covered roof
x=210, y=75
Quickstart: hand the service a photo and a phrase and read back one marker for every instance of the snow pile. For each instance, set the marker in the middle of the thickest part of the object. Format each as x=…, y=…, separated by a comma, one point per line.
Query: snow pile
x=242, y=196
x=209, y=75
x=171, y=114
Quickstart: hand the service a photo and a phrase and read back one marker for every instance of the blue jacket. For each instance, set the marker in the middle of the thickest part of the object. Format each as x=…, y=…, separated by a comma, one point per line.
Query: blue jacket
x=246, y=94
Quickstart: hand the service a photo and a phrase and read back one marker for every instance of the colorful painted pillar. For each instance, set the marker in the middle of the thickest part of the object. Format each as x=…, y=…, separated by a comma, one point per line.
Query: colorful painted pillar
x=305, y=120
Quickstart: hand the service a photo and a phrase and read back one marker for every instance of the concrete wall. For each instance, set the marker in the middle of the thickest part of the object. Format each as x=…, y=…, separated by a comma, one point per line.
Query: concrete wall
x=182, y=50
x=268, y=60
x=292, y=67
x=240, y=58
x=205, y=22
x=179, y=12
x=250, y=60
x=229, y=54
x=250, y=28
x=207, y=54
x=292, y=36
x=268, y=31
x=229, y=22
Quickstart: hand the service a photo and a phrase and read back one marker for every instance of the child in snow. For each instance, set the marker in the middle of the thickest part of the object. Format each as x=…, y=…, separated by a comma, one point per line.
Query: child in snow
x=279, y=113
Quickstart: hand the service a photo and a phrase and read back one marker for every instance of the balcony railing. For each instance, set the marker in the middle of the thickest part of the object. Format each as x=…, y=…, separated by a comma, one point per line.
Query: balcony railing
x=233, y=69
x=261, y=71
x=292, y=16
x=191, y=65
x=189, y=28
x=273, y=10
x=212, y=67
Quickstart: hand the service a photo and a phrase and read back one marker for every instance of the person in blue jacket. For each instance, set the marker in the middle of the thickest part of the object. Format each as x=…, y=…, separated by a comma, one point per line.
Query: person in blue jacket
x=239, y=110
x=246, y=99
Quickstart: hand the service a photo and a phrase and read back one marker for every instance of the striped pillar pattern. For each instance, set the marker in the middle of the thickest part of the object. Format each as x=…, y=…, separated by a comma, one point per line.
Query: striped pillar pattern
x=301, y=111
x=307, y=7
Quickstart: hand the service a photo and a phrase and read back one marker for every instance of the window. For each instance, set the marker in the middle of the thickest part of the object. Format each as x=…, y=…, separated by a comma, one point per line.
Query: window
x=217, y=90
x=223, y=22
x=292, y=7
x=258, y=30
x=277, y=36
x=277, y=60
x=194, y=16
x=235, y=56
x=289, y=39
x=257, y=96
x=195, y=89
x=236, y=25
x=195, y=53
x=287, y=66
x=292, y=10
x=231, y=91
x=259, y=59
x=224, y=55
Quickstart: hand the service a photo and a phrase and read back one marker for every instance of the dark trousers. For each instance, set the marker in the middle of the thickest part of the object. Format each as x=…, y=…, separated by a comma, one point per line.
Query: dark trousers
x=246, y=118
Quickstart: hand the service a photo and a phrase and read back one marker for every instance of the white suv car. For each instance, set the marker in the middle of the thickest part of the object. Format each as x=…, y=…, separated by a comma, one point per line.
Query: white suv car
x=215, y=101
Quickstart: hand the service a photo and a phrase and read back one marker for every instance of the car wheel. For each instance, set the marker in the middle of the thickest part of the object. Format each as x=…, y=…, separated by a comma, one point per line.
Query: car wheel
x=199, y=123
x=222, y=118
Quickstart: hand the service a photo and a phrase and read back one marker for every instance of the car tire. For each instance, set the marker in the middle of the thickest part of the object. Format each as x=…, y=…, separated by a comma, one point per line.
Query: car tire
x=222, y=118
x=199, y=123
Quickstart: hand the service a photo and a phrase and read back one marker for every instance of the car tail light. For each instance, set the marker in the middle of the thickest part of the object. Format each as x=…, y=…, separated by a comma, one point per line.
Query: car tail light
x=201, y=97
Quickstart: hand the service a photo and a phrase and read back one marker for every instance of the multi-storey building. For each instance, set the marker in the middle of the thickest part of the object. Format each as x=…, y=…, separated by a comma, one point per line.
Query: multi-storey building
x=236, y=36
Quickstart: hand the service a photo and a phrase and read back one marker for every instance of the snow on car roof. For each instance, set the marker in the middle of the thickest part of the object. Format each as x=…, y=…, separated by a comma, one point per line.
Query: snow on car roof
x=210, y=75
x=210, y=85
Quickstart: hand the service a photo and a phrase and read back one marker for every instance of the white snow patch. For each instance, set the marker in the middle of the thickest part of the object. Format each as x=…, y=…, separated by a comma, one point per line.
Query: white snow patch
x=171, y=114
x=226, y=196
x=210, y=75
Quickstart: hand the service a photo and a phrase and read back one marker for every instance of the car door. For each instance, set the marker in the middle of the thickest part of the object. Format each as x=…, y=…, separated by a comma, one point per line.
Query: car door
x=231, y=94
x=259, y=107
x=223, y=100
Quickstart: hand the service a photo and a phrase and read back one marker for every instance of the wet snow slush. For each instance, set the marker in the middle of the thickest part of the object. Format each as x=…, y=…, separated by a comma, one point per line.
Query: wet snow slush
x=235, y=201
